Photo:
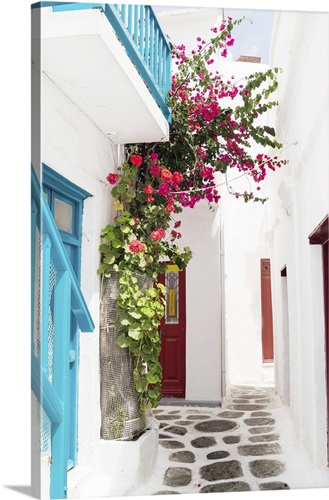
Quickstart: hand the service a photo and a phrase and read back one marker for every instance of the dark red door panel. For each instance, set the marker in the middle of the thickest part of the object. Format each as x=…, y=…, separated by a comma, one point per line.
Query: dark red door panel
x=267, y=317
x=172, y=331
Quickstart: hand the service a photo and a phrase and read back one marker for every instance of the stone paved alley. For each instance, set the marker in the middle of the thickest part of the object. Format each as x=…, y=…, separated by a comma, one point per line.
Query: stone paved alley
x=247, y=444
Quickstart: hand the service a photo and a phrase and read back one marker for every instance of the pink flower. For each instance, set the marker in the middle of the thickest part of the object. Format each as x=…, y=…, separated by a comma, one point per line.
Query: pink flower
x=149, y=199
x=210, y=61
x=164, y=189
x=136, y=246
x=112, y=178
x=177, y=224
x=154, y=156
x=148, y=189
x=136, y=160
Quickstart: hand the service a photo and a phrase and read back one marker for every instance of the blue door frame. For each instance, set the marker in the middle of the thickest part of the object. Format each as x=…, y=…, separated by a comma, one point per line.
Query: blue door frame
x=61, y=301
x=58, y=189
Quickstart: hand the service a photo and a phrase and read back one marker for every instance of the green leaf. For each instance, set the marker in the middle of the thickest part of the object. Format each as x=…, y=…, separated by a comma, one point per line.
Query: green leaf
x=135, y=314
x=122, y=340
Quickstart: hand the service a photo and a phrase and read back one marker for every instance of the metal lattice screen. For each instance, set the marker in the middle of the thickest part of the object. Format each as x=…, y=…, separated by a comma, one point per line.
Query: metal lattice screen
x=121, y=416
x=38, y=415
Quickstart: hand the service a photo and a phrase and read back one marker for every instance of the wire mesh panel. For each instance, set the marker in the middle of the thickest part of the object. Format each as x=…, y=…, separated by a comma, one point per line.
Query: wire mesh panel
x=120, y=412
x=38, y=415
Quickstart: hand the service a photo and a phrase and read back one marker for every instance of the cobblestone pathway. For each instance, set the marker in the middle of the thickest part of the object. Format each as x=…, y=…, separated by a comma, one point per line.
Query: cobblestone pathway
x=210, y=449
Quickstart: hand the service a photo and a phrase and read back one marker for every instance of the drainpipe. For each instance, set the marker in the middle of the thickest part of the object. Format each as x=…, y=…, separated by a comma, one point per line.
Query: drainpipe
x=222, y=309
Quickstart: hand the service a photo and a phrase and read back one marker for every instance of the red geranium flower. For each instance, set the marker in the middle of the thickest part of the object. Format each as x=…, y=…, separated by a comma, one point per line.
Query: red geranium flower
x=177, y=177
x=136, y=160
x=155, y=170
x=148, y=189
x=112, y=178
x=136, y=246
x=166, y=175
x=158, y=234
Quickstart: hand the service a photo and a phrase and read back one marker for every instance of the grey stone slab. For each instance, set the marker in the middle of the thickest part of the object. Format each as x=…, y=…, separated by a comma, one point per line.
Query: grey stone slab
x=182, y=456
x=177, y=476
x=163, y=424
x=203, y=442
x=248, y=407
x=157, y=411
x=216, y=426
x=221, y=470
x=231, y=439
x=217, y=455
x=260, y=414
x=172, y=444
x=253, y=396
x=167, y=417
x=176, y=429
x=266, y=468
x=261, y=430
x=262, y=400
x=195, y=410
x=185, y=422
x=256, y=450
x=174, y=412
x=265, y=438
x=256, y=421
x=239, y=401
x=166, y=492
x=274, y=485
x=231, y=414
x=228, y=486
x=198, y=417
x=165, y=436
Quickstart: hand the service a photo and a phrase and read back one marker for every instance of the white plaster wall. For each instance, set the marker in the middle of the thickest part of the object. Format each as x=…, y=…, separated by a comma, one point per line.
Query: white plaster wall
x=200, y=230
x=299, y=201
x=75, y=148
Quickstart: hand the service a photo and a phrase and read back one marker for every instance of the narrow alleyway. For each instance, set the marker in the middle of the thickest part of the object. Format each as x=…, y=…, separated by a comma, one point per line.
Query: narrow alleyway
x=247, y=444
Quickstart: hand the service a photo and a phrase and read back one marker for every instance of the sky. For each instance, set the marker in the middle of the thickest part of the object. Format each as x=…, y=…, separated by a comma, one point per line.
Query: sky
x=252, y=36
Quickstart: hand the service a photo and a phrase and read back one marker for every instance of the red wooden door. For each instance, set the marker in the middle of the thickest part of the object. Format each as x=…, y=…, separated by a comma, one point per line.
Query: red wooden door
x=172, y=331
x=267, y=317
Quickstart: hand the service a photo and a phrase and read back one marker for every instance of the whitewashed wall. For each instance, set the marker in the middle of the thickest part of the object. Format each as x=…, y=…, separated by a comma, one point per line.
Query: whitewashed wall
x=76, y=149
x=299, y=202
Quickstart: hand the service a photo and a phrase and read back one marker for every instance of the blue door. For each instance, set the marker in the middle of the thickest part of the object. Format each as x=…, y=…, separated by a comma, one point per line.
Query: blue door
x=65, y=201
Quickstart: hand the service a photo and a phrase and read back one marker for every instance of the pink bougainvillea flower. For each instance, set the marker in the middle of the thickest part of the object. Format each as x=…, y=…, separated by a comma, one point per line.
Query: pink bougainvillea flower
x=113, y=178
x=177, y=224
x=155, y=170
x=164, y=189
x=177, y=177
x=148, y=189
x=154, y=156
x=166, y=175
x=136, y=160
x=136, y=246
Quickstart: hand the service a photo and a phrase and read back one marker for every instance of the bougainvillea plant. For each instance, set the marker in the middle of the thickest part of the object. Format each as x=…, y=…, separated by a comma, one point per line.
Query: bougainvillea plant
x=214, y=124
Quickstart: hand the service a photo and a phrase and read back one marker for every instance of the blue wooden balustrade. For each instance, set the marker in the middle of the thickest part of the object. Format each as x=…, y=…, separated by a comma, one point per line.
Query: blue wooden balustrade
x=50, y=366
x=138, y=29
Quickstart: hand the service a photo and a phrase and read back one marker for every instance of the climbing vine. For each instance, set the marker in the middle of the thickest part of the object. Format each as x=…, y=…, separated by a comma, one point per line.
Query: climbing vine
x=214, y=124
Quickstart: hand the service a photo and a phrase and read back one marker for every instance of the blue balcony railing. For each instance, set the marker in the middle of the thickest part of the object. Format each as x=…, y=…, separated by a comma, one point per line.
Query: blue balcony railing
x=139, y=31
